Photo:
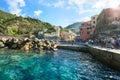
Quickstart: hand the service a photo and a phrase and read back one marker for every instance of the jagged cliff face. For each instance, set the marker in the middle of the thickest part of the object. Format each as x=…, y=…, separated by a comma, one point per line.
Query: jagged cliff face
x=108, y=23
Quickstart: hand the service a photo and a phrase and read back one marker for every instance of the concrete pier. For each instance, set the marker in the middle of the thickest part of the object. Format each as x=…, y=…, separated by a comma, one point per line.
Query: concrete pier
x=108, y=56
x=73, y=47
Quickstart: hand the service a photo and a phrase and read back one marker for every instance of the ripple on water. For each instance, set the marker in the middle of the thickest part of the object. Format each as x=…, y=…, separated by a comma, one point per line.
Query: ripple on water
x=46, y=65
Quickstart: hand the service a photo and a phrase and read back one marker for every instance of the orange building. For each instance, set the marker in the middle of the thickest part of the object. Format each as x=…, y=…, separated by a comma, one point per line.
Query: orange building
x=85, y=30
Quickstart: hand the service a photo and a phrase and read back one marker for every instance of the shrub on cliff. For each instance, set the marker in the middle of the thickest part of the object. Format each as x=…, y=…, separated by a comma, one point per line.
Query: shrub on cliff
x=18, y=25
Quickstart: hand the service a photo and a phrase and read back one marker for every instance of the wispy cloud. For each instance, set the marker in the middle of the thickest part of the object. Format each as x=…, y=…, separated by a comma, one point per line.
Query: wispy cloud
x=106, y=3
x=79, y=5
x=84, y=19
x=40, y=1
x=83, y=11
x=15, y=6
x=99, y=4
x=59, y=4
x=113, y=3
x=37, y=13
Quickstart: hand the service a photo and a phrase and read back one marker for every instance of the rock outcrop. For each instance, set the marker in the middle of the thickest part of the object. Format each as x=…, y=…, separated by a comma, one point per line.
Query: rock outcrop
x=27, y=43
x=108, y=23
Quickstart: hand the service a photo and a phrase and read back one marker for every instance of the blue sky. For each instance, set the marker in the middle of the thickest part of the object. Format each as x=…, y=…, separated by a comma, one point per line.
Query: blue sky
x=57, y=12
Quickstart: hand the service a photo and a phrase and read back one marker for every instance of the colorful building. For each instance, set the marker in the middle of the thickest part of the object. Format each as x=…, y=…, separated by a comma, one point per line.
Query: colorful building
x=94, y=22
x=87, y=28
x=67, y=35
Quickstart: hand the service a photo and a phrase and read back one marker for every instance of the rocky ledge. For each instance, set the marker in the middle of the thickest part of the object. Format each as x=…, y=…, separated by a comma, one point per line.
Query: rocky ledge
x=27, y=43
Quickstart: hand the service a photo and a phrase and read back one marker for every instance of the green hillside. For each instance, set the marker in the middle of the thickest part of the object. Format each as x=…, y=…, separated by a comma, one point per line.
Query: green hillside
x=17, y=25
x=74, y=27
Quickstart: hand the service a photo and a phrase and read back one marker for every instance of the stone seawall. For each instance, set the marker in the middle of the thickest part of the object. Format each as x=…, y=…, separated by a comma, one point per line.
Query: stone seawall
x=80, y=48
x=27, y=43
x=107, y=56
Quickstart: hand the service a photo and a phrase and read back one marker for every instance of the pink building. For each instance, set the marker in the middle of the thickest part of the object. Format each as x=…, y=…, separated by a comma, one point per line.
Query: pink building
x=85, y=30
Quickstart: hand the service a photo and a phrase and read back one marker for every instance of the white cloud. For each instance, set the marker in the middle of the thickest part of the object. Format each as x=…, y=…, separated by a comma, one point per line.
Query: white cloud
x=59, y=4
x=76, y=2
x=84, y=19
x=94, y=4
x=114, y=3
x=83, y=11
x=106, y=4
x=15, y=6
x=79, y=5
x=38, y=13
x=40, y=1
x=99, y=4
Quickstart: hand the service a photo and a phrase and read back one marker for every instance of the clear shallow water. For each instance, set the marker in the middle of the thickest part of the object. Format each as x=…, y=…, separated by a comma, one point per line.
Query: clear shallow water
x=59, y=65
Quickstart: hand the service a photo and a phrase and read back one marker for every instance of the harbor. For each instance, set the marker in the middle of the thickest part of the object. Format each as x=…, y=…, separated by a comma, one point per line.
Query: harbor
x=109, y=56
x=59, y=40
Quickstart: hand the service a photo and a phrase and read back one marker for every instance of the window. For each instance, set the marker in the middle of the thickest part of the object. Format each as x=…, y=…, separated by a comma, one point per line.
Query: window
x=82, y=24
x=88, y=28
x=88, y=32
x=116, y=19
x=81, y=33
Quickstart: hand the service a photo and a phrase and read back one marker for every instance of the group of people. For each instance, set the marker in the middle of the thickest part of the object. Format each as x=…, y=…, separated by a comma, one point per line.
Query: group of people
x=113, y=42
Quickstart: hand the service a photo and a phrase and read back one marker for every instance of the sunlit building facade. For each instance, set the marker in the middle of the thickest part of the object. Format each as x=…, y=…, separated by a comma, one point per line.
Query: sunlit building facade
x=87, y=28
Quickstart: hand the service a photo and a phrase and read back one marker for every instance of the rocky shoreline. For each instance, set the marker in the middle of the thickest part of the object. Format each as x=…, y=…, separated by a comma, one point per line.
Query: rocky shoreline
x=24, y=43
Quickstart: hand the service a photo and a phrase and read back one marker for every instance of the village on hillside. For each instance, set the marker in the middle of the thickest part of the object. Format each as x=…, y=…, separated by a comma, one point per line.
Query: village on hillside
x=103, y=25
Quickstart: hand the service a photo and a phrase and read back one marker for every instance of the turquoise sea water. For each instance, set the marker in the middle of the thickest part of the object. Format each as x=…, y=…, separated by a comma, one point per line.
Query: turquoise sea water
x=47, y=65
